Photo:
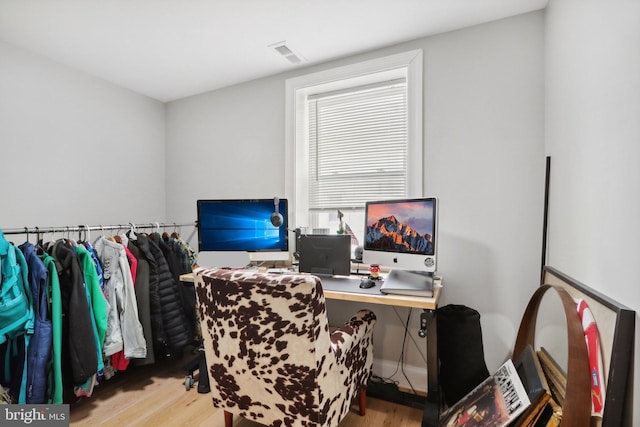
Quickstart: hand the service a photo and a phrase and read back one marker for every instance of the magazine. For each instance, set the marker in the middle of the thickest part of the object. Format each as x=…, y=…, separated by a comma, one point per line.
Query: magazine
x=496, y=401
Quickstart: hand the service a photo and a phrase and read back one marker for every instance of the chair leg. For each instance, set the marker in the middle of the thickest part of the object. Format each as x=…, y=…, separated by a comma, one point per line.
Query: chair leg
x=363, y=401
x=228, y=419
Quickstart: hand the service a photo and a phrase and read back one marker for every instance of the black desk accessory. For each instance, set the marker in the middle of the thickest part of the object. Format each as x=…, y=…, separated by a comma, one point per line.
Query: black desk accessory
x=367, y=283
x=324, y=254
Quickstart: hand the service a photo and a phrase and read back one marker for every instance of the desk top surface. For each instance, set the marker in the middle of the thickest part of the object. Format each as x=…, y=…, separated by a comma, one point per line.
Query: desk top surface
x=429, y=303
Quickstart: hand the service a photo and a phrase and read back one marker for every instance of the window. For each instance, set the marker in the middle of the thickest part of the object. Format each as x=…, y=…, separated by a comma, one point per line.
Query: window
x=353, y=134
x=357, y=145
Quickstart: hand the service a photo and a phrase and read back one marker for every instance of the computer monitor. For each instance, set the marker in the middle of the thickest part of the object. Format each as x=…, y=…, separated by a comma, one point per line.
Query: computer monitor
x=402, y=234
x=244, y=225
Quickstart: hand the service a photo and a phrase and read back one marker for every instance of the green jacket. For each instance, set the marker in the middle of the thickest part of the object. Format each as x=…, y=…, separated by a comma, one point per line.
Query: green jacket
x=55, y=375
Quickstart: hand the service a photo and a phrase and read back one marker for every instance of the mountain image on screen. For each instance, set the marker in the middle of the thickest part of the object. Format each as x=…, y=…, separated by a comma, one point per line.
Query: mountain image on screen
x=390, y=235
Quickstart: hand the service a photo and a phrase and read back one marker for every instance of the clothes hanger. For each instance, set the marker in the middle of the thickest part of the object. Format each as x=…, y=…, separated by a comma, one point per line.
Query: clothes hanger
x=68, y=239
x=83, y=234
x=132, y=232
x=48, y=246
x=111, y=237
x=165, y=235
x=100, y=236
x=116, y=236
x=39, y=249
x=66, y=236
x=175, y=233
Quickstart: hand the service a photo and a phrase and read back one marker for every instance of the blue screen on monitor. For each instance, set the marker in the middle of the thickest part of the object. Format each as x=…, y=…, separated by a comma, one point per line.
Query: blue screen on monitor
x=241, y=225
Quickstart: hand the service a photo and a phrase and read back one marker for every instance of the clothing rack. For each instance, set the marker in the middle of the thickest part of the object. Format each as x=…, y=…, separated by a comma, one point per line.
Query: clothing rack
x=87, y=228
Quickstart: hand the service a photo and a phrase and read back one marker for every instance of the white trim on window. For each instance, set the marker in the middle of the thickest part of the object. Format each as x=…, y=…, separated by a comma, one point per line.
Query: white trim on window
x=297, y=88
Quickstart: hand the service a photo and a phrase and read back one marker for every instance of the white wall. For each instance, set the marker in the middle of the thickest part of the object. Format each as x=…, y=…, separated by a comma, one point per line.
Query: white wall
x=75, y=149
x=592, y=117
x=230, y=143
x=483, y=140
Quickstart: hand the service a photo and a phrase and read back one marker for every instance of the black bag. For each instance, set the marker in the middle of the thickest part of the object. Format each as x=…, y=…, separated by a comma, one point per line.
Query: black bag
x=460, y=350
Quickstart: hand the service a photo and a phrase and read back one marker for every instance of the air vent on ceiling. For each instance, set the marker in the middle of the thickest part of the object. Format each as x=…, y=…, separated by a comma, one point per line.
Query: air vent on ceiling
x=287, y=53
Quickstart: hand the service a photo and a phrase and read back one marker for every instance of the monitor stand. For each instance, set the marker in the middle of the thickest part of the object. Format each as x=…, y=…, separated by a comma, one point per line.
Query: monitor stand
x=269, y=256
x=322, y=272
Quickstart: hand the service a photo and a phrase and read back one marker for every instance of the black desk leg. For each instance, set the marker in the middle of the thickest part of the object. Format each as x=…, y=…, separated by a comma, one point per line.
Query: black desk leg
x=431, y=413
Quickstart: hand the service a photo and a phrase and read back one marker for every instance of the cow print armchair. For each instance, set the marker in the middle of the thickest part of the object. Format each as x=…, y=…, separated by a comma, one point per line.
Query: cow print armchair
x=270, y=355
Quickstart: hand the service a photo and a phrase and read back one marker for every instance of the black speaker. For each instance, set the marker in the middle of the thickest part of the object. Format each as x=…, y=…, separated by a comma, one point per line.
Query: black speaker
x=276, y=217
x=460, y=350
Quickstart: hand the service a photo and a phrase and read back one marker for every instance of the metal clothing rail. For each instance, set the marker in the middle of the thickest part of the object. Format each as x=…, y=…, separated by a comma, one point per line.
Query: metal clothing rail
x=86, y=228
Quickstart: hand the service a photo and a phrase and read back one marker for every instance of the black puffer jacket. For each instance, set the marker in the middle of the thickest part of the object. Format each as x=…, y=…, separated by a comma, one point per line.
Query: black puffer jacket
x=187, y=294
x=159, y=337
x=174, y=322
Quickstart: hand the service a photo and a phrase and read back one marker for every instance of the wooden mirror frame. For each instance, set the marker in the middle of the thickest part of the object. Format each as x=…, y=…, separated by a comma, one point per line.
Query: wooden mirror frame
x=616, y=326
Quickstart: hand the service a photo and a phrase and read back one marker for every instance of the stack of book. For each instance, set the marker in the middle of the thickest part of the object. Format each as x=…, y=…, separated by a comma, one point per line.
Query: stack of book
x=557, y=380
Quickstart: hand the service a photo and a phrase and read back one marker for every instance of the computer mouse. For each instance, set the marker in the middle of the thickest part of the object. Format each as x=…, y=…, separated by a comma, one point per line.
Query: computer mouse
x=367, y=283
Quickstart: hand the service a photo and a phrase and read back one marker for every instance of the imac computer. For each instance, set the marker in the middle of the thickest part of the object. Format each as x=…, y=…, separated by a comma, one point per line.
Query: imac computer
x=256, y=226
x=403, y=235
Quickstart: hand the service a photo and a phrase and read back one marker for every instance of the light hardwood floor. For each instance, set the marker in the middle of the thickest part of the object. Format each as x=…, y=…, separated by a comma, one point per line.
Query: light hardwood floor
x=155, y=396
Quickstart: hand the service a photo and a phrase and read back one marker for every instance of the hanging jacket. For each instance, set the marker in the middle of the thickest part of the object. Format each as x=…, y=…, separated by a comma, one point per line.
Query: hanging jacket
x=79, y=347
x=171, y=333
x=185, y=255
x=175, y=323
x=183, y=292
x=142, y=299
x=123, y=314
x=16, y=318
x=96, y=262
x=55, y=384
x=40, y=345
x=160, y=341
x=97, y=302
x=16, y=305
x=118, y=360
x=187, y=258
x=98, y=307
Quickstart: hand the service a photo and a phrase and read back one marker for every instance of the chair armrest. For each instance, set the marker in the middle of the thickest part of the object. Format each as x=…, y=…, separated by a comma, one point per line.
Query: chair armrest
x=356, y=332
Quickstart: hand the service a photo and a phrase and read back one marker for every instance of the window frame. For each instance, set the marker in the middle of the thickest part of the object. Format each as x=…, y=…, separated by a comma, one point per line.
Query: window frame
x=295, y=184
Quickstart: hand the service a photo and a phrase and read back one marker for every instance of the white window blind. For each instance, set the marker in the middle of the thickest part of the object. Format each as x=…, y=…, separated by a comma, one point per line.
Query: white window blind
x=358, y=145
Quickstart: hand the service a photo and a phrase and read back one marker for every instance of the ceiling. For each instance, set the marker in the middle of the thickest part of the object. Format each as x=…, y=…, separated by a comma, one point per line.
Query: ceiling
x=170, y=49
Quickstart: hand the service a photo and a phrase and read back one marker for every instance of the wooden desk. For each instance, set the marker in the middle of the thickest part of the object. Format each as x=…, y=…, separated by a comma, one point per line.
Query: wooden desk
x=431, y=413
x=395, y=300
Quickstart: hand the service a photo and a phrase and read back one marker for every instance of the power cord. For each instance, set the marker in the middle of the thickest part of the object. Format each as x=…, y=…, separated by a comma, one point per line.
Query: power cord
x=406, y=326
x=404, y=340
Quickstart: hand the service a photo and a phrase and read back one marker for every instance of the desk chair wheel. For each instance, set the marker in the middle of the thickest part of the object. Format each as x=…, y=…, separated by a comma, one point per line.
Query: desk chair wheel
x=188, y=382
